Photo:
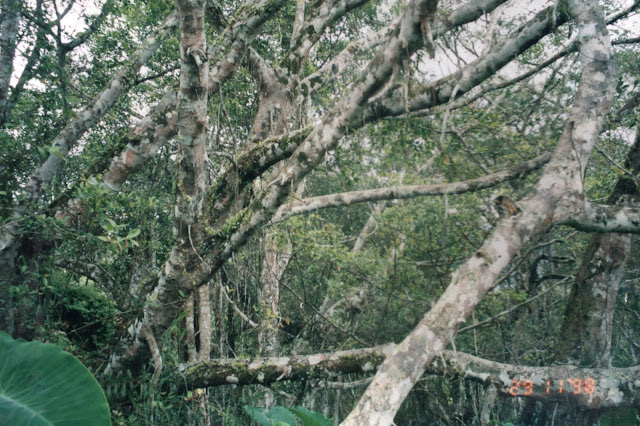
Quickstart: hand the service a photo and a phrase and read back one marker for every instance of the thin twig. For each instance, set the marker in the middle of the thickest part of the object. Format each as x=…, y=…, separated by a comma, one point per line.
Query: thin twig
x=513, y=308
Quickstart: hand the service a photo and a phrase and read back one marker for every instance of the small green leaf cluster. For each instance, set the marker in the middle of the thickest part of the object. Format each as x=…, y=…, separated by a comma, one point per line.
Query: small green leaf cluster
x=112, y=235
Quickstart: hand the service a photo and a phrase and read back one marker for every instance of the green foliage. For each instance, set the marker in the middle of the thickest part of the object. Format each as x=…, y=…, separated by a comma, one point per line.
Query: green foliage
x=82, y=279
x=40, y=384
x=310, y=418
x=284, y=416
x=83, y=313
x=112, y=229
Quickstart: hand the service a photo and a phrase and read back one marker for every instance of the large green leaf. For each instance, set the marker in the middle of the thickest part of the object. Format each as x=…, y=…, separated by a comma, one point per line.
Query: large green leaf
x=40, y=384
x=310, y=418
x=277, y=416
x=257, y=415
x=280, y=415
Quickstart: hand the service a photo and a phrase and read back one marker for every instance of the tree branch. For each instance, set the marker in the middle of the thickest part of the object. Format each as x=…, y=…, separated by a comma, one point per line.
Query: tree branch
x=608, y=387
x=558, y=194
x=439, y=92
x=404, y=192
x=605, y=218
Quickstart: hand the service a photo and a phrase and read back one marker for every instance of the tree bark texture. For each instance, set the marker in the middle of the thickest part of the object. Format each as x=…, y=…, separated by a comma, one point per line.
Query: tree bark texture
x=9, y=23
x=609, y=387
x=559, y=193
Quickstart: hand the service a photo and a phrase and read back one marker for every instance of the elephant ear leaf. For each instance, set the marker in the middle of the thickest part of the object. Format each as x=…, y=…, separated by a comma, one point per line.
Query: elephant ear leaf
x=310, y=418
x=40, y=384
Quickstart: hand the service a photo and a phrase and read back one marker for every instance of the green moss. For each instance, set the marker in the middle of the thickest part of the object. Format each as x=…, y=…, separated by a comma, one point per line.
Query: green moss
x=240, y=368
x=231, y=226
x=194, y=371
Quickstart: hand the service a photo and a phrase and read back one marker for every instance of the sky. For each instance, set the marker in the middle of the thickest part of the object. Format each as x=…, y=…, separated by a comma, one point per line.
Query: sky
x=446, y=61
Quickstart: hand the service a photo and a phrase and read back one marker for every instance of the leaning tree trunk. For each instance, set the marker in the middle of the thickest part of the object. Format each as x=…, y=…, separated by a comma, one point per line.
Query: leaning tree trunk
x=558, y=196
x=586, y=333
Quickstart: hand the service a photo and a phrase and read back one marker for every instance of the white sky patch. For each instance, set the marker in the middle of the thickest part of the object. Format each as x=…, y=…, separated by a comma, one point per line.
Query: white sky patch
x=449, y=59
x=72, y=24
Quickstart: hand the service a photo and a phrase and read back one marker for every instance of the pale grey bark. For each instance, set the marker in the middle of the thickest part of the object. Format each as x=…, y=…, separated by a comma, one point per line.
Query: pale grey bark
x=605, y=218
x=101, y=104
x=347, y=114
x=192, y=154
x=204, y=351
x=368, y=227
x=33, y=58
x=586, y=333
x=442, y=24
x=316, y=20
x=298, y=20
x=10, y=20
x=93, y=26
x=558, y=195
x=189, y=339
x=427, y=95
x=204, y=322
x=269, y=370
x=237, y=310
x=275, y=103
x=229, y=231
x=346, y=58
x=612, y=387
x=10, y=236
x=275, y=109
x=143, y=141
x=229, y=235
x=588, y=327
x=405, y=192
x=191, y=122
x=488, y=402
x=277, y=253
x=160, y=125
x=172, y=285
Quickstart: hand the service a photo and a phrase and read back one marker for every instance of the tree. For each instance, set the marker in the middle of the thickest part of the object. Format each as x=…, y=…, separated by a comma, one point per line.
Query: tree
x=158, y=176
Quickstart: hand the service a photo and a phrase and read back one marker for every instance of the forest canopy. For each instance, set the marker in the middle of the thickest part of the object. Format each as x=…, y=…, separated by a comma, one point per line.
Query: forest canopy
x=417, y=212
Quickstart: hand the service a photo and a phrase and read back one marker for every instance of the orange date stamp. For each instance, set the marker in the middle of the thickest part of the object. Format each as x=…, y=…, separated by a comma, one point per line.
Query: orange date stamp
x=574, y=385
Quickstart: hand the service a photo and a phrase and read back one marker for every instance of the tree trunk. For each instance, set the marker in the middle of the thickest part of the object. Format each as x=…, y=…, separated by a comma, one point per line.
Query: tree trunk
x=10, y=21
x=559, y=194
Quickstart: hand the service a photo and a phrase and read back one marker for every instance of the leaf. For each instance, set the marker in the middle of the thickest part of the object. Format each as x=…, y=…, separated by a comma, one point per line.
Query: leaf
x=72, y=99
x=257, y=415
x=133, y=233
x=40, y=384
x=310, y=418
x=56, y=151
x=280, y=414
x=103, y=238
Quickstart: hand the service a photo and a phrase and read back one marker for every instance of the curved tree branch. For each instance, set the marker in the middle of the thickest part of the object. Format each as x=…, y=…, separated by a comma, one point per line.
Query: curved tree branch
x=405, y=192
